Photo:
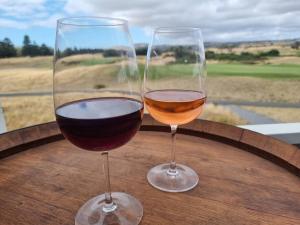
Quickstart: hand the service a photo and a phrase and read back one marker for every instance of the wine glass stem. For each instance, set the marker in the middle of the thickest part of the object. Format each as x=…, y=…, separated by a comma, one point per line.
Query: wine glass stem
x=172, y=171
x=109, y=205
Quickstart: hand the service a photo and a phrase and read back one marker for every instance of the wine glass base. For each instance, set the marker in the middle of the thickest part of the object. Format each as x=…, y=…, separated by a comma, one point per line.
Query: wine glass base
x=127, y=211
x=184, y=179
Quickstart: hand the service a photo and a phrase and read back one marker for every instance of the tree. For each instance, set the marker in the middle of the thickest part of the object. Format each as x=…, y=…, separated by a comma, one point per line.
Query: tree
x=7, y=49
x=33, y=49
x=26, y=49
x=184, y=55
x=45, y=50
x=67, y=52
x=26, y=40
x=141, y=51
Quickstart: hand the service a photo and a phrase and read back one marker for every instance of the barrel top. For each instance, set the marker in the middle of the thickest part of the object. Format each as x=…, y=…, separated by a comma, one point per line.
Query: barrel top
x=245, y=177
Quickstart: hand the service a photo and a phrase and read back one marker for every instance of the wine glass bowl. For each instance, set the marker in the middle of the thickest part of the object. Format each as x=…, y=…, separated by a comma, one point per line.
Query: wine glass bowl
x=174, y=94
x=98, y=103
x=174, y=106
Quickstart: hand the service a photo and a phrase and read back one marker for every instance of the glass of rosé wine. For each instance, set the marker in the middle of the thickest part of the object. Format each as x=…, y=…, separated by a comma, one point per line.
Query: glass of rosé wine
x=174, y=94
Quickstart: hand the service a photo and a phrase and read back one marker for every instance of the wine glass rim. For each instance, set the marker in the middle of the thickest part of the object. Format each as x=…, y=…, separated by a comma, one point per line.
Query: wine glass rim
x=77, y=21
x=179, y=29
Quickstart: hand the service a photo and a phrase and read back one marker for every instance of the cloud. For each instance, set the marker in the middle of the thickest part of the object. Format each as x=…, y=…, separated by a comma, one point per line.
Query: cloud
x=219, y=19
x=48, y=22
x=21, y=8
x=12, y=23
x=223, y=20
x=23, y=14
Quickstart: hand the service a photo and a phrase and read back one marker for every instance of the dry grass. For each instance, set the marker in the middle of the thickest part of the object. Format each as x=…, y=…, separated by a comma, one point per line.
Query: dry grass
x=35, y=74
x=39, y=79
x=222, y=115
x=285, y=50
x=242, y=88
x=283, y=60
x=26, y=62
x=27, y=111
x=31, y=79
x=253, y=89
x=162, y=60
x=286, y=115
x=25, y=79
x=16, y=79
x=82, y=57
x=86, y=76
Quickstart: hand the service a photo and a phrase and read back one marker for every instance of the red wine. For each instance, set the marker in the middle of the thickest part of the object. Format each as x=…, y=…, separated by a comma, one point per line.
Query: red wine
x=100, y=124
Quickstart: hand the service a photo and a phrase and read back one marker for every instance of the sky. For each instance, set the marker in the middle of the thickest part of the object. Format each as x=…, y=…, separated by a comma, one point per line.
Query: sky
x=220, y=20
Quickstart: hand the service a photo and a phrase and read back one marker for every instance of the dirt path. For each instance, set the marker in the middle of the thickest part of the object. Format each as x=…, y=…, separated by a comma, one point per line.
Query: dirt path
x=250, y=116
x=257, y=103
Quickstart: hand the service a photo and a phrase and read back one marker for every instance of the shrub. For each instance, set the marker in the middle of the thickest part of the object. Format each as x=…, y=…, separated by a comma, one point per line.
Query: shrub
x=111, y=53
x=99, y=86
x=271, y=53
x=210, y=55
x=184, y=55
x=295, y=45
x=141, y=51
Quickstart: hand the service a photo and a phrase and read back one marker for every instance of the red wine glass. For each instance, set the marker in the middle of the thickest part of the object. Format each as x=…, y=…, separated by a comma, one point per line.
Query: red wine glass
x=98, y=103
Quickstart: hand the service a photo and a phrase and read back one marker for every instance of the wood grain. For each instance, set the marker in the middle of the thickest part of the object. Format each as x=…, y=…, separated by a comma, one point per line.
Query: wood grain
x=47, y=183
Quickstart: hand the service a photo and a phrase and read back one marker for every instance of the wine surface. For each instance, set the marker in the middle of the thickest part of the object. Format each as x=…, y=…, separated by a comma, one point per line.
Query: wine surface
x=174, y=107
x=100, y=124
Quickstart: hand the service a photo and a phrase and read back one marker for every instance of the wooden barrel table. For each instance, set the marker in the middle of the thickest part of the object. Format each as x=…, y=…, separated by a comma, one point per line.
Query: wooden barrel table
x=245, y=178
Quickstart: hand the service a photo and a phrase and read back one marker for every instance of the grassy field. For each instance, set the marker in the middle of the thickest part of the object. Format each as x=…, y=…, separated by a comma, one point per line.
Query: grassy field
x=284, y=115
x=44, y=62
x=282, y=71
x=284, y=48
x=273, y=80
x=27, y=111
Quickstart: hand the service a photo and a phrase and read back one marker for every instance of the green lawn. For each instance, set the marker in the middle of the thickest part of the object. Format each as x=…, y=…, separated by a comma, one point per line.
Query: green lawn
x=169, y=70
x=98, y=61
x=284, y=71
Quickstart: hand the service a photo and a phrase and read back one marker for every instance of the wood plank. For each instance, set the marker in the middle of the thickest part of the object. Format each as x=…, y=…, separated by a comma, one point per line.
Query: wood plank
x=23, y=210
x=46, y=184
x=224, y=195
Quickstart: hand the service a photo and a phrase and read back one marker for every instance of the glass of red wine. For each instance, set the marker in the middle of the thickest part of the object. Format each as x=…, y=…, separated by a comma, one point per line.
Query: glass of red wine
x=174, y=94
x=98, y=103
